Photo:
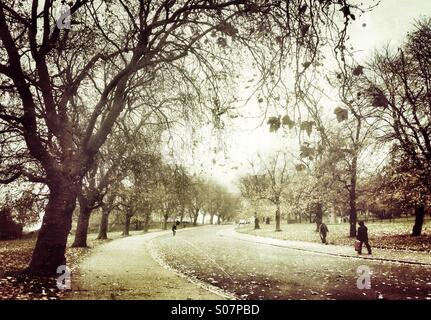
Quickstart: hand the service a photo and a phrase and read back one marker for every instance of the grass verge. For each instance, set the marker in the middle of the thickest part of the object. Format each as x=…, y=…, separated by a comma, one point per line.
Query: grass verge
x=385, y=235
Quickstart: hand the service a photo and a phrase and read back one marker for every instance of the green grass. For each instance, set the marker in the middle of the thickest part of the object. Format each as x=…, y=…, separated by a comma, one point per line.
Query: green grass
x=389, y=235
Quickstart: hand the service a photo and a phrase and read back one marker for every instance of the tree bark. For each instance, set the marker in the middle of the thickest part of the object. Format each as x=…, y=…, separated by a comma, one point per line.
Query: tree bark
x=277, y=218
x=49, y=252
x=352, y=198
x=419, y=220
x=318, y=215
x=127, y=225
x=103, y=228
x=195, y=217
x=82, y=227
x=165, y=222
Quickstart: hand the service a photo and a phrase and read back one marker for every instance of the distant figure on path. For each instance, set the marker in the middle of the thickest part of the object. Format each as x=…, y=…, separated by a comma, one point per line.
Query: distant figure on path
x=362, y=237
x=174, y=229
x=323, y=231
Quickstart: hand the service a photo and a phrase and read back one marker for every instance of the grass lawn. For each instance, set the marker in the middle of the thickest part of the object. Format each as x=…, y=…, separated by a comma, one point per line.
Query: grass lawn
x=388, y=235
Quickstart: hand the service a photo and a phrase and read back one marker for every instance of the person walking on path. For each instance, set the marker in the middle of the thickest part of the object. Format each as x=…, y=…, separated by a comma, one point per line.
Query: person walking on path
x=323, y=231
x=174, y=229
x=362, y=237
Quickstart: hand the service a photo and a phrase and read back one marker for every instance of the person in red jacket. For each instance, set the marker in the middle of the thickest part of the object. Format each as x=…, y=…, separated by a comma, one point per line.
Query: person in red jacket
x=362, y=237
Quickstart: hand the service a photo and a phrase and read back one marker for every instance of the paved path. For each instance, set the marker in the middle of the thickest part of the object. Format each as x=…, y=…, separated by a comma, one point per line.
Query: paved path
x=217, y=259
x=125, y=269
x=260, y=268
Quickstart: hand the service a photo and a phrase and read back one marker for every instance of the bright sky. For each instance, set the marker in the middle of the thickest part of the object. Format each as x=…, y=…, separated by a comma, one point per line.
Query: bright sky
x=387, y=23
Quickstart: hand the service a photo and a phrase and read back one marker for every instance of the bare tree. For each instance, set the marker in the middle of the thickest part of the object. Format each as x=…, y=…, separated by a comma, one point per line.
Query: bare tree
x=46, y=71
x=398, y=87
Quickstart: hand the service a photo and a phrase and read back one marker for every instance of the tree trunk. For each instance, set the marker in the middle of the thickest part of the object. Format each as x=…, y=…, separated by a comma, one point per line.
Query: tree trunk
x=419, y=220
x=352, y=198
x=203, y=219
x=352, y=218
x=212, y=219
x=147, y=222
x=195, y=217
x=318, y=215
x=103, y=228
x=218, y=219
x=127, y=225
x=256, y=221
x=82, y=227
x=165, y=222
x=277, y=218
x=50, y=247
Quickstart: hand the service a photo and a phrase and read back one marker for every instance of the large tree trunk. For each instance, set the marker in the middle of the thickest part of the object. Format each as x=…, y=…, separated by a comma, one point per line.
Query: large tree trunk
x=212, y=219
x=49, y=252
x=352, y=198
x=127, y=225
x=82, y=227
x=103, y=228
x=419, y=220
x=277, y=218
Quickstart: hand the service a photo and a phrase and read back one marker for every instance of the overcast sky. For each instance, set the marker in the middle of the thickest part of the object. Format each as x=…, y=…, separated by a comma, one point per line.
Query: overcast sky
x=387, y=23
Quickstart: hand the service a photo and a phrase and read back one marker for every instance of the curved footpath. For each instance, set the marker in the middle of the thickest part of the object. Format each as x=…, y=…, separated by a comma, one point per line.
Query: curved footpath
x=125, y=269
x=216, y=262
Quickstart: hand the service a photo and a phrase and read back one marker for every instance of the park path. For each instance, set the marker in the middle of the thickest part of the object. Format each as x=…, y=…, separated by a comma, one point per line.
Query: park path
x=125, y=269
x=387, y=255
x=260, y=268
x=215, y=262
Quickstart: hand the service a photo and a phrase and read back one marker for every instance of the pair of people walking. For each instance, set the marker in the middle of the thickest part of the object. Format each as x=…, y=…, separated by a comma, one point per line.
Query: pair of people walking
x=361, y=236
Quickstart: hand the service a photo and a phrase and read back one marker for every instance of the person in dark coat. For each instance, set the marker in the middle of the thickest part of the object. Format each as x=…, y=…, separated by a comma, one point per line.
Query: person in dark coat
x=174, y=229
x=362, y=237
x=323, y=231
